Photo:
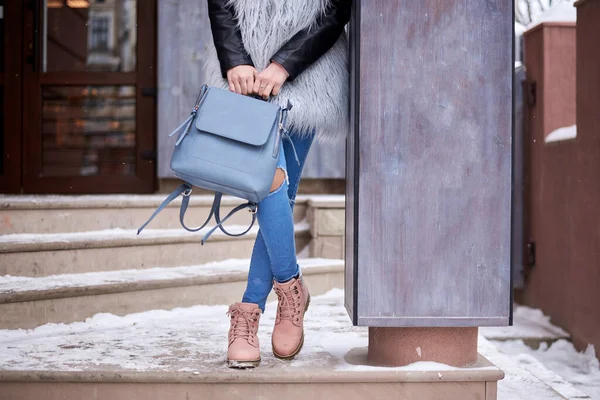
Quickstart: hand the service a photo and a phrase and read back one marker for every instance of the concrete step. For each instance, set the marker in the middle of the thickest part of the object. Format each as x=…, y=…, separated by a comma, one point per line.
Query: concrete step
x=533, y=328
x=56, y=214
x=51, y=254
x=527, y=378
x=180, y=354
x=28, y=302
x=327, y=218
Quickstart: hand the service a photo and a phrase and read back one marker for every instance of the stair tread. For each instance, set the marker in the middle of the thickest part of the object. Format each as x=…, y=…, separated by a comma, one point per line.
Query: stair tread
x=188, y=345
x=217, y=270
x=123, y=237
x=327, y=201
x=26, y=202
x=520, y=381
x=12, y=284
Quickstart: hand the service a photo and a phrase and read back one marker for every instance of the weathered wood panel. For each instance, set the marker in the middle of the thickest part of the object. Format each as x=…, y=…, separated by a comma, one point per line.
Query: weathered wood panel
x=183, y=32
x=432, y=163
x=352, y=183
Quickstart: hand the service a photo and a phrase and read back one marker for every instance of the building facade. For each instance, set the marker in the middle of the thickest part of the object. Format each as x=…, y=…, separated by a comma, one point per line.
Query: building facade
x=89, y=90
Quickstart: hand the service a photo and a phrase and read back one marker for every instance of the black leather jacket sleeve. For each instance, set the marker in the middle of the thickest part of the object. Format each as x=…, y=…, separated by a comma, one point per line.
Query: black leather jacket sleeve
x=305, y=47
x=227, y=36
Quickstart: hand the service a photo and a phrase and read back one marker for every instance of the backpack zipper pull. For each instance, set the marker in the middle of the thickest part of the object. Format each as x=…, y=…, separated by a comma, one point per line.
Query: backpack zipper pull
x=188, y=122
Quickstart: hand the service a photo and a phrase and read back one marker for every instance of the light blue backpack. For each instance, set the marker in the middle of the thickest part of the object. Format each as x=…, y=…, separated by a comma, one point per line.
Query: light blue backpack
x=229, y=144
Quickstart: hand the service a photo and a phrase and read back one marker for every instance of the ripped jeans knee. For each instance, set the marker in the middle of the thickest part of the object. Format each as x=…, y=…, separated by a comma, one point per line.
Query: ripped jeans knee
x=279, y=182
x=281, y=174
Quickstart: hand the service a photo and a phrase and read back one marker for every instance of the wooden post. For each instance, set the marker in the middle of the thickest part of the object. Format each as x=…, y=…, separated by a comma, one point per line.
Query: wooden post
x=429, y=175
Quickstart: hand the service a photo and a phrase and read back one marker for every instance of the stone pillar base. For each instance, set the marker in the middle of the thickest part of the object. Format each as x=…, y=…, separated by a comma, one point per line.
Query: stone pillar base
x=394, y=347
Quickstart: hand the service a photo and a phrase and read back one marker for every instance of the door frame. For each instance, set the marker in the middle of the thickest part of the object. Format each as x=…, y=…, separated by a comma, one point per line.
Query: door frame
x=143, y=78
x=11, y=79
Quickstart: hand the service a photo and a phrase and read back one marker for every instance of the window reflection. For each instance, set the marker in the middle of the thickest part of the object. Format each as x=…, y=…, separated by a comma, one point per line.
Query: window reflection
x=90, y=35
x=88, y=130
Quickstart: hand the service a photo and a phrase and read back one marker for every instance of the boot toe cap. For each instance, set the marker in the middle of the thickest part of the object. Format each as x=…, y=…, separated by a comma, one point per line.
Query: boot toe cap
x=242, y=352
x=287, y=346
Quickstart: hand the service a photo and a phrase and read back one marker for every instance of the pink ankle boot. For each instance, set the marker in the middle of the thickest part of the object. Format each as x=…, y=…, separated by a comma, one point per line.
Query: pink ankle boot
x=288, y=333
x=244, y=349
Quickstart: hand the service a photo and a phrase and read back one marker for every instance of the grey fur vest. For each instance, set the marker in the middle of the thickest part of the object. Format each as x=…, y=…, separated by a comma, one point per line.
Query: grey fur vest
x=319, y=95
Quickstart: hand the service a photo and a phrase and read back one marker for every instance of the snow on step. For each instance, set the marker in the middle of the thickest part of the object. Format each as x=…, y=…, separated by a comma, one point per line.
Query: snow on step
x=518, y=383
x=562, y=362
x=15, y=284
x=193, y=340
x=33, y=241
x=27, y=202
x=187, y=340
x=530, y=325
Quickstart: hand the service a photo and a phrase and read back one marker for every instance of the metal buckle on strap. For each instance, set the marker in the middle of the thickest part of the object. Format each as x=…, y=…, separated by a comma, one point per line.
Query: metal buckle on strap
x=187, y=192
x=253, y=209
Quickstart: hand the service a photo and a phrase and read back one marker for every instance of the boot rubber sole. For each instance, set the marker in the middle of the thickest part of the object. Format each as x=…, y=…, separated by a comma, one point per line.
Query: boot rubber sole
x=295, y=353
x=243, y=364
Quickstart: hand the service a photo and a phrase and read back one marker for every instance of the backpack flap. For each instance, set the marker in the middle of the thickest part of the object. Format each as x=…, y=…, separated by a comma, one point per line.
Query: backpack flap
x=237, y=117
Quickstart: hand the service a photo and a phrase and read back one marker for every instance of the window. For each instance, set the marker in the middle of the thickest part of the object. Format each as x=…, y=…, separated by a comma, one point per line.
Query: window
x=100, y=31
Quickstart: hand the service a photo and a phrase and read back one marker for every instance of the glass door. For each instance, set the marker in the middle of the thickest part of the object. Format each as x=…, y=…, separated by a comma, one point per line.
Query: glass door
x=89, y=96
x=10, y=95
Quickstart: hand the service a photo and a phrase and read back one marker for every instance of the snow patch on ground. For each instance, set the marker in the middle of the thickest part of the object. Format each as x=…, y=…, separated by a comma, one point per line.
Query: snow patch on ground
x=580, y=369
x=529, y=323
x=517, y=379
x=183, y=339
x=194, y=340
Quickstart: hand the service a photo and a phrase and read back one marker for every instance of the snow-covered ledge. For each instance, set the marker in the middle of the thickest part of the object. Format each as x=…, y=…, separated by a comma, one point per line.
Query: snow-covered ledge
x=561, y=134
x=560, y=12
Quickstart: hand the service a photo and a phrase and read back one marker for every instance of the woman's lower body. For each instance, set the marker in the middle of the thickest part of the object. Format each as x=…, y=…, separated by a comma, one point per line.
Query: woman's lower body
x=274, y=264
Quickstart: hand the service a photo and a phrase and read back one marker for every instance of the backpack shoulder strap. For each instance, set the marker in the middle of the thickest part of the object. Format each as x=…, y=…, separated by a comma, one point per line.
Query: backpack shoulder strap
x=252, y=207
x=184, y=206
x=186, y=190
x=183, y=188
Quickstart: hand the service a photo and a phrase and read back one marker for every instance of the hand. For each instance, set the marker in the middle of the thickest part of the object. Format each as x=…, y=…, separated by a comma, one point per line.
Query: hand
x=241, y=79
x=269, y=81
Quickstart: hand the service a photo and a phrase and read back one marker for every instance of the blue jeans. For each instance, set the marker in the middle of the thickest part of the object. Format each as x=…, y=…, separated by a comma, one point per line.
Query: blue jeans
x=274, y=253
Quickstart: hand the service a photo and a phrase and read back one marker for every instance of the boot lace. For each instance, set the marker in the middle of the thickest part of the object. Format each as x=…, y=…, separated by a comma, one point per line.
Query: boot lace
x=289, y=302
x=242, y=323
